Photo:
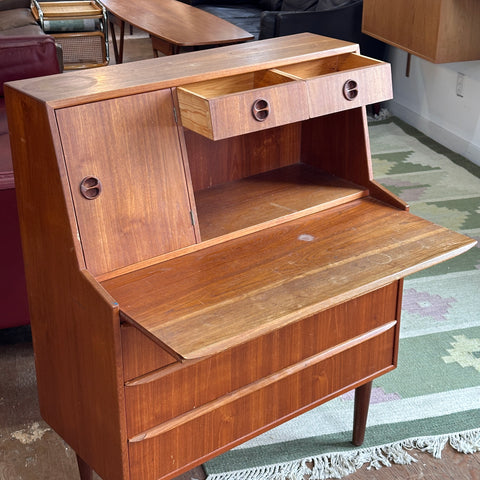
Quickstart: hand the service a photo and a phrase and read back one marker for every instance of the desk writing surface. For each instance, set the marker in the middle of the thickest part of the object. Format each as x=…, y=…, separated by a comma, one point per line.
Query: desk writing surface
x=210, y=300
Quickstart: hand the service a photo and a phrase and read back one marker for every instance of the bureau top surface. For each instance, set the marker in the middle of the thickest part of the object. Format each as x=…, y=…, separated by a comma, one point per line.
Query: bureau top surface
x=147, y=75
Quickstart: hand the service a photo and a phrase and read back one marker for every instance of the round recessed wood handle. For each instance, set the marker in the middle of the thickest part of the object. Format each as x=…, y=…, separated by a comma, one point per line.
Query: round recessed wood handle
x=90, y=187
x=260, y=109
x=350, y=90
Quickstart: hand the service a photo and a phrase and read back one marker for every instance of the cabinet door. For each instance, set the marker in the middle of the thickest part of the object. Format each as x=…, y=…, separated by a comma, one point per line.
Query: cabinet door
x=127, y=178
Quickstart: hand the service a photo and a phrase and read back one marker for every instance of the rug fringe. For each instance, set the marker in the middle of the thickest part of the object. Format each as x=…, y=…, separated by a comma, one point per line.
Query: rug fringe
x=338, y=465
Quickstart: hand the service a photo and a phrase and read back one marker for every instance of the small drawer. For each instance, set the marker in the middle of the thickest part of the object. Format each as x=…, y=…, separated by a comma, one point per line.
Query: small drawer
x=241, y=104
x=342, y=82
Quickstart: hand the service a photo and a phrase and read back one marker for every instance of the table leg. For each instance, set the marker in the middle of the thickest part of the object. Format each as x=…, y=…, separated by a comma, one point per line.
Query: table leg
x=86, y=472
x=114, y=41
x=116, y=51
x=362, y=402
x=160, y=45
x=122, y=38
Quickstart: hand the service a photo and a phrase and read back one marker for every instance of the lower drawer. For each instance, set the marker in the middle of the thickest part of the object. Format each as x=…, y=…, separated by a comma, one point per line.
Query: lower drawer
x=213, y=428
x=182, y=387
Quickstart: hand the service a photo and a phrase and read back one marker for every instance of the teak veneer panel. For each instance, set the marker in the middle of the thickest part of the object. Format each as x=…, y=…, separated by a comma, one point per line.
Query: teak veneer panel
x=77, y=352
x=223, y=161
x=249, y=412
x=228, y=371
x=440, y=31
x=140, y=354
x=278, y=275
x=176, y=70
x=131, y=145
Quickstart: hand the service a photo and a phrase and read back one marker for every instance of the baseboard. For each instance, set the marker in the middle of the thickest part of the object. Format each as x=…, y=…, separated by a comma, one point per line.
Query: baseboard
x=436, y=132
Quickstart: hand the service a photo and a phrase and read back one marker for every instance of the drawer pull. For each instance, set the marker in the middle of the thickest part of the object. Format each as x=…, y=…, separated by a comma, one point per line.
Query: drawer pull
x=350, y=89
x=260, y=109
x=90, y=187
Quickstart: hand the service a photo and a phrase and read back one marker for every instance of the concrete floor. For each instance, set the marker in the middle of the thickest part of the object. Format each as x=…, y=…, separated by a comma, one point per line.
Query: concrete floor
x=29, y=448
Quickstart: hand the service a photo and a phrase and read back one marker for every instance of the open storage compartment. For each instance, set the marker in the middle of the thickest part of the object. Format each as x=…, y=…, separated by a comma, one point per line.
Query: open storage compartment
x=276, y=196
x=246, y=183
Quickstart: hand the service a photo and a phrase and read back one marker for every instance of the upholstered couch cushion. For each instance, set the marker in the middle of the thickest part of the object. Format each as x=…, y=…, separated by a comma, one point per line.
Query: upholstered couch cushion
x=27, y=57
x=298, y=5
x=11, y=4
x=243, y=14
x=25, y=31
x=313, y=5
x=18, y=17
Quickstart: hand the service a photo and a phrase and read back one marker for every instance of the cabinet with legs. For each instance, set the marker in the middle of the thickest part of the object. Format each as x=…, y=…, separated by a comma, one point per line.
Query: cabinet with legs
x=201, y=235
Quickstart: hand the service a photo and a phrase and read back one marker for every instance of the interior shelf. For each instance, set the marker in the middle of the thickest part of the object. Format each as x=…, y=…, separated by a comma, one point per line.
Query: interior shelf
x=276, y=196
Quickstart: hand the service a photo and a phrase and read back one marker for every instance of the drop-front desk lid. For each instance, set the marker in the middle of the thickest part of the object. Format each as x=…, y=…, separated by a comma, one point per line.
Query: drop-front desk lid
x=223, y=295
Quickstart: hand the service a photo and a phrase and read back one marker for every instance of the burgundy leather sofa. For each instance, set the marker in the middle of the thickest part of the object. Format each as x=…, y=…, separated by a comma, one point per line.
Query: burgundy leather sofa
x=25, y=52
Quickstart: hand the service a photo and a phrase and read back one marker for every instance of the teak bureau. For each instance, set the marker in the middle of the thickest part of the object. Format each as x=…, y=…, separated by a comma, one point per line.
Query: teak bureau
x=207, y=252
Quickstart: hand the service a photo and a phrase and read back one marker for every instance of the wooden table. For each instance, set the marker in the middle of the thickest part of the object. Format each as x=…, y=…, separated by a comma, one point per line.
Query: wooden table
x=172, y=25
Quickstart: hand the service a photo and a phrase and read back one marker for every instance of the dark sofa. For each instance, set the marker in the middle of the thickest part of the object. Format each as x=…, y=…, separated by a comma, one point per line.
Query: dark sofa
x=25, y=52
x=340, y=19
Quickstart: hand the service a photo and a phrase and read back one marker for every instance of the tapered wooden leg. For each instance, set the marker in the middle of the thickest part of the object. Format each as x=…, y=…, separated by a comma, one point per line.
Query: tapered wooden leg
x=122, y=38
x=362, y=402
x=114, y=42
x=86, y=472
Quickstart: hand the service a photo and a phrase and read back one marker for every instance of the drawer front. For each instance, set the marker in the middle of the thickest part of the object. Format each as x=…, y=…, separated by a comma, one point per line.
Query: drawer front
x=349, y=89
x=245, y=112
x=193, y=438
x=178, y=389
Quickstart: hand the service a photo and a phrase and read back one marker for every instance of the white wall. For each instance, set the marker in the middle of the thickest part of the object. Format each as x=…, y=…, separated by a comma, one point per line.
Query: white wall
x=427, y=100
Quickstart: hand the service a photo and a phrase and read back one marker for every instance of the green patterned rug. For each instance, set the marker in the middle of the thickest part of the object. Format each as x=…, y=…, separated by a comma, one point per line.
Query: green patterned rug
x=433, y=397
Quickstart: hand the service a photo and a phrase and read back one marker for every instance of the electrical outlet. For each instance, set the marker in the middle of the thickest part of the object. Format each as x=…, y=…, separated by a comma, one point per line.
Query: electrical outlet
x=460, y=82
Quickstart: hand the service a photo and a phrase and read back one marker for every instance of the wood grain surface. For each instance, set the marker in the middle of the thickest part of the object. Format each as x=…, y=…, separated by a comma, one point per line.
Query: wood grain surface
x=278, y=275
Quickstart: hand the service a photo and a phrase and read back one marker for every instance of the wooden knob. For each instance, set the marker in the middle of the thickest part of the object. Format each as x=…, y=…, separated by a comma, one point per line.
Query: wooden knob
x=90, y=187
x=260, y=109
x=350, y=89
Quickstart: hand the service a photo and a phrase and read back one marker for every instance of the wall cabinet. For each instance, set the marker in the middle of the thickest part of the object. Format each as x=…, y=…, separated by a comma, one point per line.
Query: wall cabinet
x=201, y=235
x=441, y=31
